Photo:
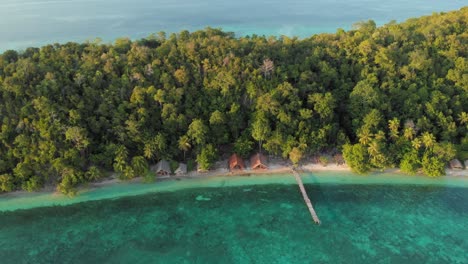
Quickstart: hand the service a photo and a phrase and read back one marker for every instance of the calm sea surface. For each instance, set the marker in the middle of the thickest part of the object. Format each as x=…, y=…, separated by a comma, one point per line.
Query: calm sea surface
x=26, y=23
x=248, y=224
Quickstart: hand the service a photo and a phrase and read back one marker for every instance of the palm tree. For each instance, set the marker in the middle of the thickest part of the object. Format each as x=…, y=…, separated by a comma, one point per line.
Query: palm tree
x=463, y=118
x=184, y=144
x=154, y=147
x=428, y=139
x=416, y=143
x=408, y=133
x=380, y=135
x=149, y=149
x=139, y=165
x=393, y=125
x=93, y=173
x=365, y=136
x=120, y=160
x=373, y=148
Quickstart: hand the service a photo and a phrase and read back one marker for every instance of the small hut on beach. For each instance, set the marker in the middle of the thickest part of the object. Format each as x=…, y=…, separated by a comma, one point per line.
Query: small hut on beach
x=258, y=162
x=236, y=162
x=456, y=164
x=163, y=168
x=181, y=170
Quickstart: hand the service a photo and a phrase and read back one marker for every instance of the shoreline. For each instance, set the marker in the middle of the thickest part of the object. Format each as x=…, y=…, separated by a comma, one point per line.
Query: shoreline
x=278, y=174
x=277, y=169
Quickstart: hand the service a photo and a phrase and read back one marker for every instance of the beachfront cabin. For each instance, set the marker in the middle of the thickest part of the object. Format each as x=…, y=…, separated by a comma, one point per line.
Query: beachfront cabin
x=163, y=168
x=339, y=160
x=258, y=162
x=236, y=162
x=181, y=170
x=456, y=165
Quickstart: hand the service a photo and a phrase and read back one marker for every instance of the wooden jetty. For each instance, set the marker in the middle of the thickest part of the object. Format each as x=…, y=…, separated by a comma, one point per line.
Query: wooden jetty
x=306, y=197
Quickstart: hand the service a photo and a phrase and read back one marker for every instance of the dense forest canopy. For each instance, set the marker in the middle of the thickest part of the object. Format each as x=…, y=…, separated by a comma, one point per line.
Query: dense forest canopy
x=395, y=95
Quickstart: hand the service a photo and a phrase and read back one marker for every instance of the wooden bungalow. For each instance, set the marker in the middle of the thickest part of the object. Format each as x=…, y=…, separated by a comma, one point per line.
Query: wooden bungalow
x=181, y=170
x=236, y=162
x=456, y=164
x=163, y=168
x=258, y=162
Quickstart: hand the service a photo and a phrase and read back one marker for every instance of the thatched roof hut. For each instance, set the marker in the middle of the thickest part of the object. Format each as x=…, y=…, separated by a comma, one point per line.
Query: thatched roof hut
x=456, y=164
x=163, y=168
x=339, y=160
x=236, y=162
x=181, y=170
x=258, y=162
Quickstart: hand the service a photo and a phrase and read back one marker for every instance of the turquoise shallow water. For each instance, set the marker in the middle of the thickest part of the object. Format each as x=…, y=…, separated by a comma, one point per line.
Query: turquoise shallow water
x=25, y=23
x=23, y=200
x=247, y=224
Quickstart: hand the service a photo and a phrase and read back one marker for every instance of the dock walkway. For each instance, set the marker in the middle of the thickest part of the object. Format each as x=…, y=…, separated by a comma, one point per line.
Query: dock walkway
x=306, y=197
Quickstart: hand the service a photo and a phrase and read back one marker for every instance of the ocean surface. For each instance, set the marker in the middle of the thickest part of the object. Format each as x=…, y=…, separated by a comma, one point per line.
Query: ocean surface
x=25, y=23
x=361, y=223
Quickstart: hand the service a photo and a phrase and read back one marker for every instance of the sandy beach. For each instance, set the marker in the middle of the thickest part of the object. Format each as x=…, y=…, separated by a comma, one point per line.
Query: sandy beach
x=279, y=172
x=275, y=166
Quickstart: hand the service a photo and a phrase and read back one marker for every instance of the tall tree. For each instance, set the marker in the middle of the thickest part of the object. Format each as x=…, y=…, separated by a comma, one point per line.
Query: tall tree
x=260, y=128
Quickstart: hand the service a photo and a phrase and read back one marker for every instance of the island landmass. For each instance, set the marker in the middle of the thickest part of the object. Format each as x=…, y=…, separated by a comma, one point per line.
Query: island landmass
x=381, y=97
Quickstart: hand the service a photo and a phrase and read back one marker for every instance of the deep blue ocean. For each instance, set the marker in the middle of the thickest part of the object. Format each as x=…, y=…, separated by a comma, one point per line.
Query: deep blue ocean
x=25, y=23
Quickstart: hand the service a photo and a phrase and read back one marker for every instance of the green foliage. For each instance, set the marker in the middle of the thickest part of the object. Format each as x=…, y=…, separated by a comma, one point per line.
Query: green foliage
x=173, y=165
x=77, y=136
x=149, y=177
x=207, y=157
x=74, y=107
x=127, y=173
x=324, y=160
x=32, y=184
x=323, y=105
x=191, y=165
x=260, y=128
x=6, y=183
x=197, y=132
x=444, y=151
x=462, y=149
x=184, y=144
x=139, y=166
x=94, y=173
x=356, y=157
x=436, y=157
x=295, y=156
x=433, y=166
x=155, y=147
x=70, y=178
x=378, y=156
x=120, y=161
x=243, y=146
x=10, y=56
x=410, y=162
